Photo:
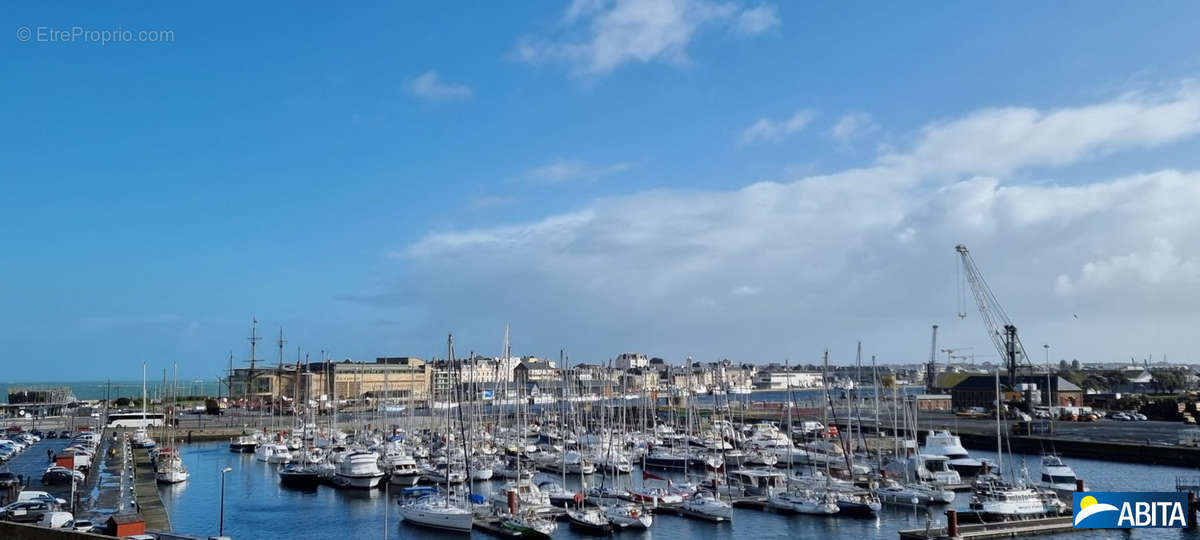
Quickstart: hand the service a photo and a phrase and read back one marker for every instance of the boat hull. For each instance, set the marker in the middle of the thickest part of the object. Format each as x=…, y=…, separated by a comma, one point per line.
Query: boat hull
x=307, y=482
x=437, y=520
x=360, y=481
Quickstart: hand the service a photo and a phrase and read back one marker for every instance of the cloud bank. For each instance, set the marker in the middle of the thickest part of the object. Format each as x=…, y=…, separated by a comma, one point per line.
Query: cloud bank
x=779, y=268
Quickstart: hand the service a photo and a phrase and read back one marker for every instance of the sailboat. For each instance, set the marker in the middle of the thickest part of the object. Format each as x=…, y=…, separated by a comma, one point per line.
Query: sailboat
x=431, y=510
x=303, y=474
x=168, y=463
x=141, y=437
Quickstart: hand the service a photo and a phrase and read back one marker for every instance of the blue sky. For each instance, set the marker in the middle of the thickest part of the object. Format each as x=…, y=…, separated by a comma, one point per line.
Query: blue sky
x=372, y=179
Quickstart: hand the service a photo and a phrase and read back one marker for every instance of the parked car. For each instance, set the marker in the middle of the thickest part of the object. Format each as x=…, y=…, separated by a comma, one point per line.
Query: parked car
x=82, y=525
x=1139, y=416
x=32, y=495
x=1120, y=416
x=26, y=511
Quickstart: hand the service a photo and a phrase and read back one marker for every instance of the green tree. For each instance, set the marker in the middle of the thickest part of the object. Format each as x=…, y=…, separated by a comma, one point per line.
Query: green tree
x=1170, y=380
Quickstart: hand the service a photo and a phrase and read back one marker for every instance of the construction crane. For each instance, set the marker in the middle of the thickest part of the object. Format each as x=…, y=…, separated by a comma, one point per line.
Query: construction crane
x=1000, y=328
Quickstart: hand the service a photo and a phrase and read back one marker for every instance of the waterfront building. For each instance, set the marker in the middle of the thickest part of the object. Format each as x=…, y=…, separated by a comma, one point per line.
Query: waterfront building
x=402, y=376
x=782, y=380
x=980, y=391
x=532, y=369
x=627, y=361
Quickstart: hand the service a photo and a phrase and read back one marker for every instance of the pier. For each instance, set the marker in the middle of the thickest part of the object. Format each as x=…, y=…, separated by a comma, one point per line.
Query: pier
x=980, y=530
x=145, y=488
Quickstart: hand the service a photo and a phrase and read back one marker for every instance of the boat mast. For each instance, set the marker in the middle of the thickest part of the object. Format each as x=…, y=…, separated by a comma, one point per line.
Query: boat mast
x=143, y=394
x=878, y=433
x=446, y=446
x=999, y=447
x=250, y=376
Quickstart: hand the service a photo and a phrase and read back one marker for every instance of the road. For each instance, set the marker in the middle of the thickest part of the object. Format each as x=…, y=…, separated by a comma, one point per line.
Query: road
x=1156, y=432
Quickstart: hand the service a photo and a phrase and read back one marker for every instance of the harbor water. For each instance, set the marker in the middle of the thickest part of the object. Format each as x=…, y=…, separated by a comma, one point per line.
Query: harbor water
x=258, y=507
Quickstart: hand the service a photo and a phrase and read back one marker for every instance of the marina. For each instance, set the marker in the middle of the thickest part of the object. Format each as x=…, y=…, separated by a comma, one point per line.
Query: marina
x=528, y=470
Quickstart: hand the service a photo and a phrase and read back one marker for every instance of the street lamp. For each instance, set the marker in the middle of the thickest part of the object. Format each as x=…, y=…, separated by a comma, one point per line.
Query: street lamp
x=221, y=523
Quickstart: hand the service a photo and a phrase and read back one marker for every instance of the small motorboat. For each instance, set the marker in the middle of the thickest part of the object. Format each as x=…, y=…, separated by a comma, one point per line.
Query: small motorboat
x=243, y=444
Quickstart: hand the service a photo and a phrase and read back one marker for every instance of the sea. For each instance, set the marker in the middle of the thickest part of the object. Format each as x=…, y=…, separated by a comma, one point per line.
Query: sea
x=258, y=507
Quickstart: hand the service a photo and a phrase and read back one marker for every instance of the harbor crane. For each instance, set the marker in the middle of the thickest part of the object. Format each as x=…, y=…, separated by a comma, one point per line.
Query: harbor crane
x=1000, y=328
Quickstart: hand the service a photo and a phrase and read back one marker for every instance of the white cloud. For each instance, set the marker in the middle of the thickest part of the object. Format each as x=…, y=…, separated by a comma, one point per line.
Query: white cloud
x=852, y=125
x=999, y=140
x=861, y=253
x=766, y=129
x=758, y=19
x=621, y=31
x=429, y=85
x=562, y=170
x=1157, y=264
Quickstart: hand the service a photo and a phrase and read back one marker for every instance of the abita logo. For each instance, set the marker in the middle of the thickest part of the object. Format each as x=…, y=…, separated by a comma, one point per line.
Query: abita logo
x=1124, y=510
x=1089, y=506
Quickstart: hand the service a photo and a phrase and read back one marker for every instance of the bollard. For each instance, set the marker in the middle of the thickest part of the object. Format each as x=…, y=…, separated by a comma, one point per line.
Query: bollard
x=952, y=523
x=512, y=502
x=1079, y=485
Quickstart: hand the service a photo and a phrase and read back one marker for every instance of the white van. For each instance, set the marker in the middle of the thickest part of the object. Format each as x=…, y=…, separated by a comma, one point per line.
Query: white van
x=56, y=520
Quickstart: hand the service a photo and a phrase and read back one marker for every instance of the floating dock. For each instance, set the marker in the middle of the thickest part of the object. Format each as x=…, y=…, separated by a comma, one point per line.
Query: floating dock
x=979, y=531
x=145, y=487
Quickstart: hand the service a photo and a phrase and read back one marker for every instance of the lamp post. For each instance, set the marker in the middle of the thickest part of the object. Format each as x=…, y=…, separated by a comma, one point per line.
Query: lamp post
x=221, y=523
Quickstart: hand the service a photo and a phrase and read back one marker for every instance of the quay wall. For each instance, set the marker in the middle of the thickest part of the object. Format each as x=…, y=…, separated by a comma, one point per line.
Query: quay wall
x=1126, y=452
x=1180, y=456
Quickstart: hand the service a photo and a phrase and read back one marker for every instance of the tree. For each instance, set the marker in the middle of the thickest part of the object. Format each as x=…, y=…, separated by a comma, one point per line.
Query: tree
x=1116, y=378
x=1169, y=380
x=1093, y=382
